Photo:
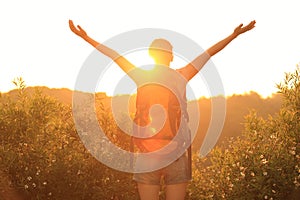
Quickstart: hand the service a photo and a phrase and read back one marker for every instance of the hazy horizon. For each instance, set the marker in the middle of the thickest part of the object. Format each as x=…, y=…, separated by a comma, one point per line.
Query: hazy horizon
x=49, y=54
x=134, y=93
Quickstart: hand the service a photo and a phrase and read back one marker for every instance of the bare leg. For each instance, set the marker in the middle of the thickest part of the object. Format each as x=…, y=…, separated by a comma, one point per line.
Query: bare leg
x=148, y=192
x=176, y=191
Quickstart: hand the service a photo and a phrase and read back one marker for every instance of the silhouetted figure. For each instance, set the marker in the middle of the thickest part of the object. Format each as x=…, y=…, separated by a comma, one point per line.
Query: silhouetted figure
x=176, y=176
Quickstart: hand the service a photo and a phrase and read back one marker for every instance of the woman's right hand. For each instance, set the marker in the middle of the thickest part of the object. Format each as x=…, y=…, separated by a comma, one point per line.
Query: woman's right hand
x=78, y=31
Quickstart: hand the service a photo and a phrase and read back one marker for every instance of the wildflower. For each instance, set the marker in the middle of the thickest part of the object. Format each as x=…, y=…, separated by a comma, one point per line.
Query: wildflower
x=29, y=178
x=44, y=183
x=266, y=197
x=292, y=152
x=252, y=174
x=265, y=173
x=264, y=161
x=274, y=191
x=296, y=182
x=243, y=174
x=273, y=136
x=26, y=187
x=261, y=156
x=33, y=184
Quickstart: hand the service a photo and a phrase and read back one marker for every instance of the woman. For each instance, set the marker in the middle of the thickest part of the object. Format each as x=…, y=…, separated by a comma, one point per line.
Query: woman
x=175, y=175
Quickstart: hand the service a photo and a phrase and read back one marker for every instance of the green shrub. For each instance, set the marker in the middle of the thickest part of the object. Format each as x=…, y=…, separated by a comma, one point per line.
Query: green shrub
x=43, y=157
x=263, y=163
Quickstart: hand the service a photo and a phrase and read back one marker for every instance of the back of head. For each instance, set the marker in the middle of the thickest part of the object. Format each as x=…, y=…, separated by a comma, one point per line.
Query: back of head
x=159, y=44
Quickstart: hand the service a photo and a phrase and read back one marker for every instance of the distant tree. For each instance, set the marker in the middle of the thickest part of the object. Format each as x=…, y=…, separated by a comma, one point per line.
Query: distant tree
x=237, y=106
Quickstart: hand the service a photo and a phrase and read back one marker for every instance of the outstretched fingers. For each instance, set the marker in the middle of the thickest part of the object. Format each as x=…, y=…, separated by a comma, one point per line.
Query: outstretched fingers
x=77, y=30
x=251, y=25
x=240, y=29
x=71, y=25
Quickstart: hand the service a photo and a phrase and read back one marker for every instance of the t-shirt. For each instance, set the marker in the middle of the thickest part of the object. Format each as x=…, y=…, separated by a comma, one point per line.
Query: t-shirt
x=158, y=112
x=165, y=87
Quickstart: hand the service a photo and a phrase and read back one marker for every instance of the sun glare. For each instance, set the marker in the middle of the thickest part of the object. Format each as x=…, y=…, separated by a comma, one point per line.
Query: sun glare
x=108, y=82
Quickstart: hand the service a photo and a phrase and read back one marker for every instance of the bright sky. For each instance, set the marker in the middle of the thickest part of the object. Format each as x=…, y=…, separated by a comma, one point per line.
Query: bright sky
x=37, y=44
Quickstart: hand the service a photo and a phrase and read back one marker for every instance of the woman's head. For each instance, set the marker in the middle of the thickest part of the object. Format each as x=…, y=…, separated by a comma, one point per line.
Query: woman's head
x=161, y=51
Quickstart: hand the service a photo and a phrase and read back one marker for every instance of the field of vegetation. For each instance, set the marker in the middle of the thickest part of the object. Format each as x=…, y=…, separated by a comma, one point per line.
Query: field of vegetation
x=42, y=157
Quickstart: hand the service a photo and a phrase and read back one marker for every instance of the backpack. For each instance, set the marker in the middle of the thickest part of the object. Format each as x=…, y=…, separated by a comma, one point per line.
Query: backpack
x=173, y=100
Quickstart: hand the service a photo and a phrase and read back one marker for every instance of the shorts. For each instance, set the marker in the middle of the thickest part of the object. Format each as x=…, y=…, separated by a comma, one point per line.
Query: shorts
x=175, y=173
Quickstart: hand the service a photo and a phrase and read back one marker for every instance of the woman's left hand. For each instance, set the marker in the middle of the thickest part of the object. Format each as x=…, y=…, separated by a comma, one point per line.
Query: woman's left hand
x=240, y=29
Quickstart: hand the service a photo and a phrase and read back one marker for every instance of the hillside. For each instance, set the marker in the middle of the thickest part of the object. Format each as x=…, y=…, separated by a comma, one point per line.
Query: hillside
x=237, y=106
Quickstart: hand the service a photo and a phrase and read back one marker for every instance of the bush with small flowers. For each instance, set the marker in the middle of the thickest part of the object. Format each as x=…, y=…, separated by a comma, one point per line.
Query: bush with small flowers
x=42, y=156
x=264, y=163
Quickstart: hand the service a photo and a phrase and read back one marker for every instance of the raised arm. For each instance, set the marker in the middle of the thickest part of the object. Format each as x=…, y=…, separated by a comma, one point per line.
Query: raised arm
x=190, y=70
x=124, y=64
